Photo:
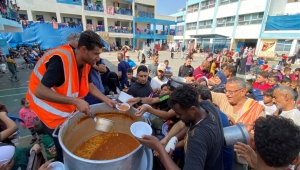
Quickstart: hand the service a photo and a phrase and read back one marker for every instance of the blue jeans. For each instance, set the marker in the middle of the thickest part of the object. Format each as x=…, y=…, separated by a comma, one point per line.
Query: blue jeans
x=248, y=68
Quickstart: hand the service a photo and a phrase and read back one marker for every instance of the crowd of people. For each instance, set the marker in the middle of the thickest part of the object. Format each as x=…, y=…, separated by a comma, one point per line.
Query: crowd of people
x=211, y=98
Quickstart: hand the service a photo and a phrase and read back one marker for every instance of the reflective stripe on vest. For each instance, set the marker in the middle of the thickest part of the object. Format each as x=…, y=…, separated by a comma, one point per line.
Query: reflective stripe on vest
x=39, y=76
x=47, y=107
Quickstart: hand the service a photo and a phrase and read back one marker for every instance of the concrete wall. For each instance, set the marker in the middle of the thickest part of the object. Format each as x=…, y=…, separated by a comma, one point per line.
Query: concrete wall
x=227, y=31
x=292, y=8
x=252, y=6
x=165, y=17
x=113, y=39
x=148, y=2
x=277, y=7
x=191, y=32
x=142, y=25
x=191, y=17
x=227, y=10
x=95, y=20
x=204, y=31
x=206, y=14
x=247, y=31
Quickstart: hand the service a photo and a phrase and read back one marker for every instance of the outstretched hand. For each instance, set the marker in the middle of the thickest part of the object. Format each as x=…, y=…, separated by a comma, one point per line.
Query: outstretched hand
x=142, y=110
x=246, y=152
x=151, y=142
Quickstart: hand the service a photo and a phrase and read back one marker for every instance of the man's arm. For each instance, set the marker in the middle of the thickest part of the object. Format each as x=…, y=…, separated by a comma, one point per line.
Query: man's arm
x=119, y=71
x=159, y=113
x=179, y=72
x=96, y=93
x=145, y=100
x=174, y=131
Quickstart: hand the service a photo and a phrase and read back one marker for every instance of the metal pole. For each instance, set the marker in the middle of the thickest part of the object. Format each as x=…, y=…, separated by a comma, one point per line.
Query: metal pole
x=184, y=26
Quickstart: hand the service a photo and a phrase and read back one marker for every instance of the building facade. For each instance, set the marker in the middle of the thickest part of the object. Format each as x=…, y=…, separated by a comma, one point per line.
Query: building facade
x=216, y=24
x=128, y=22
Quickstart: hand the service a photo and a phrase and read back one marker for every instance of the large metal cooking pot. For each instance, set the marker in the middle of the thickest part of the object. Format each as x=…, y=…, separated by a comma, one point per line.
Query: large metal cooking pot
x=79, y=127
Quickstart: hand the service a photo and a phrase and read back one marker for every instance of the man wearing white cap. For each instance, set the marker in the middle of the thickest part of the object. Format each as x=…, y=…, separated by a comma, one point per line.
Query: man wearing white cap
x=160, y=79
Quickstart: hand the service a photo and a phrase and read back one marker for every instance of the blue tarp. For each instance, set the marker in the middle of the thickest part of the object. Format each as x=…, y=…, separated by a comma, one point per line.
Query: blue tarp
x=285, y=22
x=43, y=33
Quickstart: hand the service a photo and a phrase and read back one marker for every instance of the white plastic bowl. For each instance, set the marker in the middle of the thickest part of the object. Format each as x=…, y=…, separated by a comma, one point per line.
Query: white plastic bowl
x=126, y=104
x=138, y=129
x=6, y=153
x=124, y=97
x=57, y=166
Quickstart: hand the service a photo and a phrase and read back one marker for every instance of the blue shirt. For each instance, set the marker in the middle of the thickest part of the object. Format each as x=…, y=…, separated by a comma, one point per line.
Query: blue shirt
x=131, y=63
x=97, y=81
x=122, y=67
x=226, y=150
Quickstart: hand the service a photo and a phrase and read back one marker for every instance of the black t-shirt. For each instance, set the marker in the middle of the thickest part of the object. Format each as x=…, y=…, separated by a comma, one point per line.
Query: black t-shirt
x=140, y=90
x=185, y=71
x=204, y=142
x=54, y=75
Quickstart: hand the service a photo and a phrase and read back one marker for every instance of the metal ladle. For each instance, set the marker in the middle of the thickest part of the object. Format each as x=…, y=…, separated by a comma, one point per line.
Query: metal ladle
x=102, y=124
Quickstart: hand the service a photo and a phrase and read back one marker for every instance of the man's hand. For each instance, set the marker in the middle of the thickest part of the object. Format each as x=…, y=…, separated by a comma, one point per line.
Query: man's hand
x=133, y=101
x=151, y=142
x=142, y=110
x=189, y=79
x=111, y=103
x=46, y=166
x=7, y=166
x=156, y=90
x=36, y=147
x=246, y=152
x=82, y=106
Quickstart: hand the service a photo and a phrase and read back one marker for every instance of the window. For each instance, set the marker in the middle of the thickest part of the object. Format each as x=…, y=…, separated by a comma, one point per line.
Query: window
x=75, y=0
x=75, y=20
x=223, y=2
x=205, y=24
x=180, y=18
x=227, y=21
x=39, y=17
x=283, y=46
x=208, y=4
x=193, y=8
x=23, y=16
x=89, y=21
x=297, y=47
x=179, y=30
x=191, y=26
x=255, y=18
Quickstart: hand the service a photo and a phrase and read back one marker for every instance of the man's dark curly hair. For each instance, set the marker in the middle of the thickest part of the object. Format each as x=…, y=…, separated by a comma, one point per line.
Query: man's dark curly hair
x=186, y=96
x=277, y=140
x=90, y=40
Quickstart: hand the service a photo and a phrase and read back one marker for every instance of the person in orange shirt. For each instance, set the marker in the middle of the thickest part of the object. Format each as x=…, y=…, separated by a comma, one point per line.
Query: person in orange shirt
x=59, y=81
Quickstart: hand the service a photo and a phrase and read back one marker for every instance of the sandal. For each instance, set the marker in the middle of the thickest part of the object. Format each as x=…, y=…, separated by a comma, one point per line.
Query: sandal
x=32, y=141
x=17, y=80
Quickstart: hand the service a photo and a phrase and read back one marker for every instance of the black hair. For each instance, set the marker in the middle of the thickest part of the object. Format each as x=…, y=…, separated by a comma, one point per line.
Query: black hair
x=297, y=69
x=268, y=92
x=164, y=85
x=166, y=61
x=286, y=80
x=276, y=140
x=172, y=88
x=231, y=69
x=188, y=57
x=210, y=55
x=204, y=92
x=275, y=77
x=129, y=70
x=287, y=69
x=23, y=101
x=224, y=65
x=186, y=96
x=264, y=74
x=266, y=62
x=142, y=68
x=90, y=40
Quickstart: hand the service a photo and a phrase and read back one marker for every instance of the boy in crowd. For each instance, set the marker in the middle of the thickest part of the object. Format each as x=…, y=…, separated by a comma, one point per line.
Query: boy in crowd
x=285, y=82
x=254, y=67
x=270, y=134
x=287, y=72
x=130, y=79
x=274, y=81
x=260, y=68
x=260, y=85
x=270, y=107
x=249, y=88
x=295, y=75
x=266, y=66
x=294, y=86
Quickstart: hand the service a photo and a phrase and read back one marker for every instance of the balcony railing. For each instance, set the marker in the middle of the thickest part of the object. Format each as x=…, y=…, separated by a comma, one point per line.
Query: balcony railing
x=225, y=24
x=122, y=11
x=144, y=31
x=117, y=29
x=144, y=14
x=98, y=8
x=204, y=26
x=250, y=22
x=100, y=28
x=9, y=13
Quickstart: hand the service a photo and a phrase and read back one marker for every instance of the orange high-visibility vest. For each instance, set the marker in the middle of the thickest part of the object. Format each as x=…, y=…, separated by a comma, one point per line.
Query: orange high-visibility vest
x=50, y=113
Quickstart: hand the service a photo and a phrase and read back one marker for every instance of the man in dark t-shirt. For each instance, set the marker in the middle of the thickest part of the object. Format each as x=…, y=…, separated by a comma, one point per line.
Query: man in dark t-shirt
x=141, y=88
x=122, y=69
x=204, y=139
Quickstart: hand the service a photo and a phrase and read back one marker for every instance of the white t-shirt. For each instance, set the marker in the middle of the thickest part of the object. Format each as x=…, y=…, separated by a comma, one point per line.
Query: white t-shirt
x=168, y=70
x=292, y=114
x=270, y=110
x=156, y=83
